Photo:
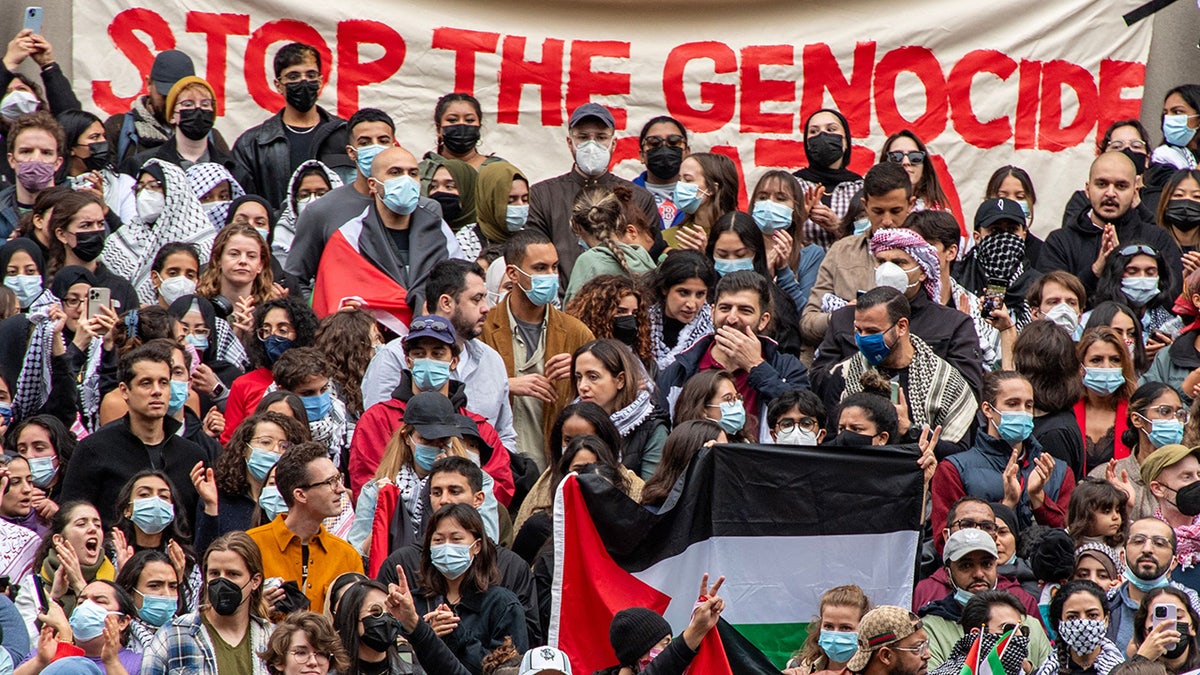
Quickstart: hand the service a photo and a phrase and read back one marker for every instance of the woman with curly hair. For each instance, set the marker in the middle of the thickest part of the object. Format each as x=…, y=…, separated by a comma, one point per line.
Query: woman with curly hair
x=230, y=492
x=348, y=340
x=613, y=306
x=301, y=638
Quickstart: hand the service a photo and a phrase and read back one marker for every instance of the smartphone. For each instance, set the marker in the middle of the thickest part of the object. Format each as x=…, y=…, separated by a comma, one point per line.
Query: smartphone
x=993, y=296
x=1163, y=614
x=33, y=19
x=895, y=392
x=43, y=606
x=98, y=297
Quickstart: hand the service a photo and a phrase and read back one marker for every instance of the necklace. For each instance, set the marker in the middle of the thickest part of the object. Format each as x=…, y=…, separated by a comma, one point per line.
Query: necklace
x=298, y=132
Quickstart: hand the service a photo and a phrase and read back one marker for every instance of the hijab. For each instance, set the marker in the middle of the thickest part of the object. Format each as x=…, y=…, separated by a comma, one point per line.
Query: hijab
x=491, y=198
x=68, y=277
x=824, y=175
x=465, y=178
x=11, y=247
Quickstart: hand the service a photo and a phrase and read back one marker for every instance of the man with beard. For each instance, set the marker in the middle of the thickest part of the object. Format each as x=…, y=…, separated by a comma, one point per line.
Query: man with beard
x=1149, y=560
x=891, y=641
x=1083, y=246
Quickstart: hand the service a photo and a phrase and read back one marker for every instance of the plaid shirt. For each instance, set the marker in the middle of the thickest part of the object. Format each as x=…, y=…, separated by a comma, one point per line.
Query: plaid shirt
x=183, y=647
x=838, y=201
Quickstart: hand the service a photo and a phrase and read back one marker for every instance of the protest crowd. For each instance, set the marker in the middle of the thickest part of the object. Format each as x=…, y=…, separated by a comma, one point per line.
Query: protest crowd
x=301, y=401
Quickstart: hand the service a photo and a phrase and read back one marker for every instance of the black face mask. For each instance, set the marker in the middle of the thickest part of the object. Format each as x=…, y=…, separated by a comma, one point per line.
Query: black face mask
x=825, y=148
x=664, y=162
x=850, y=439
x=195, y=123
x=101, y=155
x=1187, y=499
x=1181, y=646
x=451, y=205
x=1182, y=214
x=88, y=245
x=1138, y=159
x=224, y=596
x=379, y=632
x=460, y=138
x=625, y=329
x=302, y=95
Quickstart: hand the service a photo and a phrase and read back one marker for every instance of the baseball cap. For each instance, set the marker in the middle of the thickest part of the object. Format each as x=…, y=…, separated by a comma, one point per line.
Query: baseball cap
x=595, y=110
x=1167, y=455
x=545, y=660
x=880, y=627
x=170, y=67
x=432, y=326
x=967, y=541
x=433, y=415
x=992, y=210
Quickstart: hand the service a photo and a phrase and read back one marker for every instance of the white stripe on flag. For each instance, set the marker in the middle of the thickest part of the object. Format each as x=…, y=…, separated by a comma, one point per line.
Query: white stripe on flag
x=781, y=579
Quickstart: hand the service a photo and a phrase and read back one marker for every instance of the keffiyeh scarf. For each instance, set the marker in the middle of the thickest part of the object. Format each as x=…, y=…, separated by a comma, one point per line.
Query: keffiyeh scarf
x=285, y=227
x=129, y=252
x=150, y=131
x=1001, y=256
x=700, y=326
x=1015, y=653
x=628, y=418
x=202, y=178
x=1187, y=553
x=410, y=487
x=925, y=382
x=918, y=249
x=33, y=384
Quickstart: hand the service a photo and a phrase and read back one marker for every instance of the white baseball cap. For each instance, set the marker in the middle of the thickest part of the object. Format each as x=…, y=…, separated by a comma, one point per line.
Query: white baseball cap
x=545, y=660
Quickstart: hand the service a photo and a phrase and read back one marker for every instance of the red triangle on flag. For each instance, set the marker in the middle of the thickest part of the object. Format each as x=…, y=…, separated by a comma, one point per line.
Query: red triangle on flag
x=344, y=273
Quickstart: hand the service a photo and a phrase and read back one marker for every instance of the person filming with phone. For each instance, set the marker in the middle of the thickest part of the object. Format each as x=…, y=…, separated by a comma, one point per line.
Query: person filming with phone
x=1149, y=559
x=1166, y=631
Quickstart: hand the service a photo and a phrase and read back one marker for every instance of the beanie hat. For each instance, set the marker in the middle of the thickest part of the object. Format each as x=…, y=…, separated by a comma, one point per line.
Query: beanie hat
x=634, y=632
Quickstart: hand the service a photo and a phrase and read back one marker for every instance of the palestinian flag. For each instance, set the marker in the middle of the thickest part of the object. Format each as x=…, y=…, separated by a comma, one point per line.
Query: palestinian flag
x=347, y=273
x=982, y=660
x=783, y=524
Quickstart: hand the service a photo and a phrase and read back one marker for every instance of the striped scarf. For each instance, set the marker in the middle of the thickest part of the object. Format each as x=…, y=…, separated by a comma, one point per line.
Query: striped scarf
x=930, y=379
x=700, y=326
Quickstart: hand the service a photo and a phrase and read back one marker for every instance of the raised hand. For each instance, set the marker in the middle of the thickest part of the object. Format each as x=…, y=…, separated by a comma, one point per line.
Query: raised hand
x=1043, y=467
x=928, y=443
x=400, y=602
x=69, y=563
x=205, y=483
x=691, y=238
x=124, y=550
x=1122, y=481
x=1012, y=481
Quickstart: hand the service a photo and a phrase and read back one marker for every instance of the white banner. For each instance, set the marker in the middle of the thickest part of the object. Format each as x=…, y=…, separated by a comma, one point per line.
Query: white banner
x=1029, y=82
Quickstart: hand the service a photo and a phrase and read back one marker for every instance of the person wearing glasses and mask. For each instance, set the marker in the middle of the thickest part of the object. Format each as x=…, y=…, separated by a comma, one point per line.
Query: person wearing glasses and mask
x=664, y=146
x=312, y=488
x=1168, y=470
x=970, y=560
x=1150, y=561
x=192, y=111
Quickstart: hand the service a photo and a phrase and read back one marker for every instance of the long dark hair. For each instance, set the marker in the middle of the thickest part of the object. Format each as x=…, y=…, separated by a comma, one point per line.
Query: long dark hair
x=682, y=445
x=993, y=185
x=1109, y=285
x=1068, y=589
x=179, y=530
x=1103, y=315
x=483, y=572
x=593, y=415
x=345, y=620
x=616, y=358
x=929, y=187
x=61, y=438
x=604, y=457
x=1142, y=397
x=678, y=267
x=131, y=572
x=231, y=473
x=1143, y=613
x=1088, y=497
x=58, y=523
x=742, y=225
x=1045, y=354
x=787, y=183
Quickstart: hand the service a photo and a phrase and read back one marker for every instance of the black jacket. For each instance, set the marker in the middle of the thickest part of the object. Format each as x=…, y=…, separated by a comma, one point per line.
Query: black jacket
x=105, y=460
x=515, y=575
x=948, y=332
x=264, y=159
x=1058, y=432
x=432, y=654
x=1074, y=247
x=485, y=619
x=777, y=373
x=218, y=153
x=634, y=445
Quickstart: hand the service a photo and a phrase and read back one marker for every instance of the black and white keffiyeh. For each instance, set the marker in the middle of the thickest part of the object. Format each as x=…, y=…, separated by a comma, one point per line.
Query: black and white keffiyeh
x=700, y=326
x=1001, y=255
x=285, y=227
x=628, y=418
x=203, y=178
x=1012, y=656
x=33, y=385
x=129, y=252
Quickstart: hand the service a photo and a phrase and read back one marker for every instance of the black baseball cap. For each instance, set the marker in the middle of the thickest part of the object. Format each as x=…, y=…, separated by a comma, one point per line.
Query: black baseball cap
x=993, y=210
x=468, y=428
x=432, y=414
x=170, y=67
x=591, y=110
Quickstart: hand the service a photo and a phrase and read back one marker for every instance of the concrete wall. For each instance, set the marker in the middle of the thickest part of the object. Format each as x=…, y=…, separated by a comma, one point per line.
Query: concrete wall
x=56, y=26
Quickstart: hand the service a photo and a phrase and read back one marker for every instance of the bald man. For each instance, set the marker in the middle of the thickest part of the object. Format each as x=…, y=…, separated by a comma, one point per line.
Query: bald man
x=1083, y=246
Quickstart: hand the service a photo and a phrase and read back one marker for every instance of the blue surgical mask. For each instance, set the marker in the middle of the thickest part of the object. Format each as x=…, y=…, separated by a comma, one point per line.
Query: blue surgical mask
x=733, y=416
x=861, y=226
x=157, y=610
x=200, y=342
x=1144, y=585
x=87, y=621
x=425, y=455
x=401, y=194
x=1164, y=432
x=152, y=515
x=271, y=501
x=179, y=394
x=275, y=346
x=1103, y=380
x=26, y=286
x=6, y=413
x=515, y=216
x=1015, y=426
x=962, y=597
x=543, y=288
x=452, y=560
x=724, y=267
x=873, y=347
x=583, y=245
x=430, y=374
x=318, y=405
x=260, y=462
x=839, y=647
x=771, y=216
x=687, y=197
x=1024, y=209
x=1139, y=290
x=1176, y=131
x=366, y=155
x=42, y=470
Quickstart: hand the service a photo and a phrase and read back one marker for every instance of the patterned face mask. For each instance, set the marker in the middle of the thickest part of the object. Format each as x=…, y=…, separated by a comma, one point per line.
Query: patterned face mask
x=1082, y=635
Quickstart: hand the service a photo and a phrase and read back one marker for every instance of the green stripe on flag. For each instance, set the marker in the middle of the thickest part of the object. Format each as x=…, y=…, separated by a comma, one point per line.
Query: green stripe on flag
x=778, y=641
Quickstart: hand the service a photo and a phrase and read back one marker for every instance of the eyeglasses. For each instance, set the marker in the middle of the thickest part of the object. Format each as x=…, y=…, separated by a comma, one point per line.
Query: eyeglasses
x=1114, y=146
x=919, y=648
x=1181, y=414
x=198, y=332
x=914, y=156
x=727, y=399
x=283, y=330
x=1158, y=541
x=429, y=324
x=1138, y=248
x=333, y=482
x=152, y=185
x=1019, y=627
x=72, y=302
x=972, y=524
x=655, y=142
x=303, y=655
x=204, y=104
x=268, y=443
x=805, y=423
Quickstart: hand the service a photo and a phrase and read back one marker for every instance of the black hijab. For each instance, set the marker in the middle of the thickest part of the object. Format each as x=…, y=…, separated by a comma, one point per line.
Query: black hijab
x=10, y=248
x=68, y=277
x=830, y=178
x=183, y=305
x=237, y=203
